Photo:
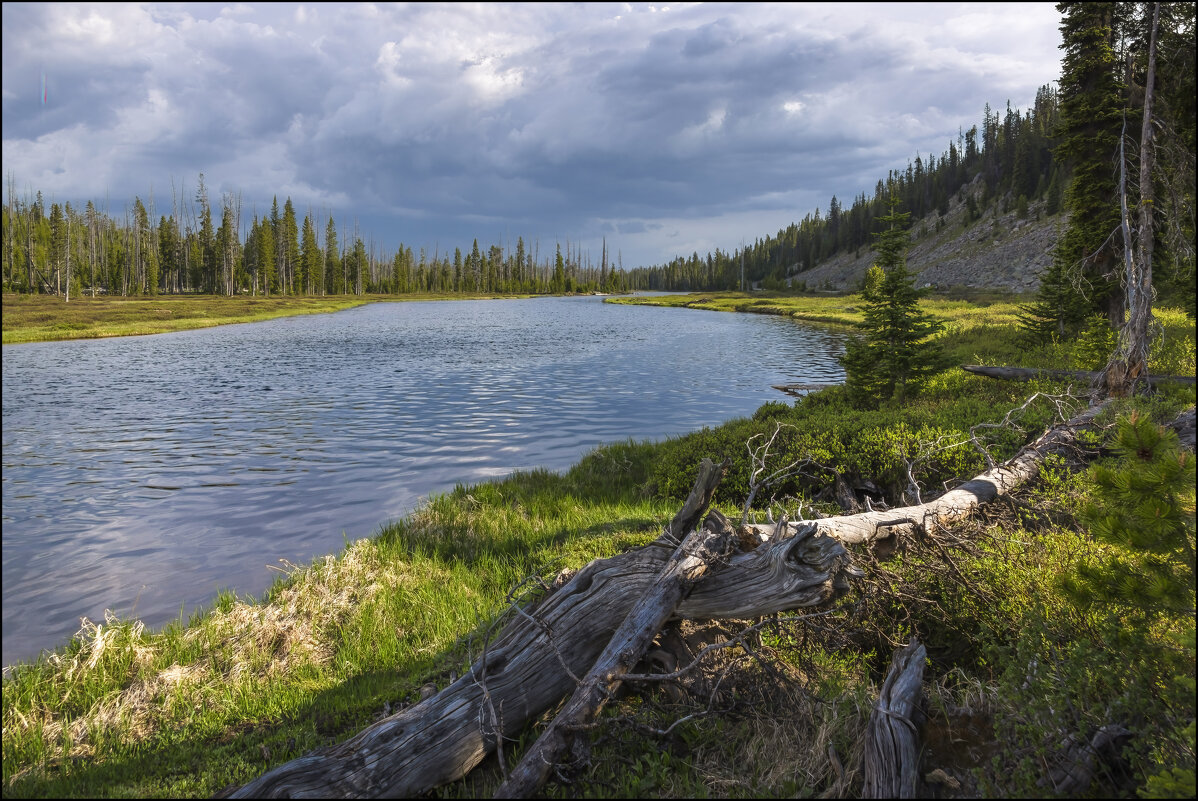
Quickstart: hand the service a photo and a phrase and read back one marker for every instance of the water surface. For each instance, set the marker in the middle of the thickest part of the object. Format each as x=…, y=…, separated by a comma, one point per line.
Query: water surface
x=143, y=474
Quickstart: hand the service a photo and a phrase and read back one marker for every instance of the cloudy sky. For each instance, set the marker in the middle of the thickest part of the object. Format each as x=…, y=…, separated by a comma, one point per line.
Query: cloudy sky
x=666, y=128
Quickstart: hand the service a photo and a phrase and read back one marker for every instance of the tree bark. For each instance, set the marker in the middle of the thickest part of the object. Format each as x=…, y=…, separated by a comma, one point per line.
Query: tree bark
x=1088, y=376
x=1129, y=362
x=892, y=738
x=537, y=658
x=697, y=553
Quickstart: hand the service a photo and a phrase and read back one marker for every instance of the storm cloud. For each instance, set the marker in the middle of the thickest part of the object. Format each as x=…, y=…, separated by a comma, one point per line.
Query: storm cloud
x=667, y=129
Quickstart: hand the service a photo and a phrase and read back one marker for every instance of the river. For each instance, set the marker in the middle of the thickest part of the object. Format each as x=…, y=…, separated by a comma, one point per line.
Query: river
x=144, y=474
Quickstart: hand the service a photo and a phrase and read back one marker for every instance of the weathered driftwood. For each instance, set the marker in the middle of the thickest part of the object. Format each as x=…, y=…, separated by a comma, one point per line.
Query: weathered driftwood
x=957, y=503
x=891, y=764
x=1086, y=376
x=537, y=659
x=695, y=555
x=800, y=390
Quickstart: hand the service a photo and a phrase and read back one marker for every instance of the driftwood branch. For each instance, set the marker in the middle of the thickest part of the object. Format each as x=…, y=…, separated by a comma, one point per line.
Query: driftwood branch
x=698, y=552
x=892, y=737
x=957, y=503
x=1086, y=376
x=528, y=668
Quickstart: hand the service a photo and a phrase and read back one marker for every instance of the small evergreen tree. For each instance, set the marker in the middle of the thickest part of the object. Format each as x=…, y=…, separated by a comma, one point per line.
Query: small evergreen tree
x=1139, y=507
x=1143, y=513
x=1060, y=308
x=895, y=357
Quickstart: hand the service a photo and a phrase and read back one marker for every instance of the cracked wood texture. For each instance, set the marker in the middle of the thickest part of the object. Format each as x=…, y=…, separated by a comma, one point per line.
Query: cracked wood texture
x=532, y=664
x=892, y=739
x=699, y=552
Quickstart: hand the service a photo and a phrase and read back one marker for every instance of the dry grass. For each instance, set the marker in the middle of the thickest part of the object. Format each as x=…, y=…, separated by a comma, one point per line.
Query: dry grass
x=239, y=646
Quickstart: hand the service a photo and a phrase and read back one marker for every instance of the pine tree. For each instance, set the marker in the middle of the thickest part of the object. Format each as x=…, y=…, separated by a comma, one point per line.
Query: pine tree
x=288, y=236
x=1091, y=120
x=558, y=284
x=332, y=260
x=895, y=357
x=1138, y=507
x=310, y=258
x=206, y=241
x=58, y=244
x=278, y=273
x=1060, y=308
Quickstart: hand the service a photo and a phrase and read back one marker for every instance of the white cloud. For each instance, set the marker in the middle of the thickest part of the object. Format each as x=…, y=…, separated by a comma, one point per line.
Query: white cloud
x=715, y=121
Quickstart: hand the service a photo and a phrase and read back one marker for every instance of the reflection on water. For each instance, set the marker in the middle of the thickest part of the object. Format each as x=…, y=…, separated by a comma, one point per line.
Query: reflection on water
x=143, y=474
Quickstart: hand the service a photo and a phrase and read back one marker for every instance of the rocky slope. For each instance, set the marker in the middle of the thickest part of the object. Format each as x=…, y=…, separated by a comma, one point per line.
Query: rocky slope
x=998, y=251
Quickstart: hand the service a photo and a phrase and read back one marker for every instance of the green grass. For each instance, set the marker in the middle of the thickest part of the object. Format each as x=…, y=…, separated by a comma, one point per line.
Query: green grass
x=43, y=318
x=218, y=699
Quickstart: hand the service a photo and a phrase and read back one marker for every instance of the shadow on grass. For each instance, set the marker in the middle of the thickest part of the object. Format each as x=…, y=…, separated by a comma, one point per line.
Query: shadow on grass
x=204, y=763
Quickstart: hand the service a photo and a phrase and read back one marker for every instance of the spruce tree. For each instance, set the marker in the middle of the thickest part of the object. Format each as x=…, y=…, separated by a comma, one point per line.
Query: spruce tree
x=1060, y=308
x=332, y=260
x=895, y=356
x=1091, y=120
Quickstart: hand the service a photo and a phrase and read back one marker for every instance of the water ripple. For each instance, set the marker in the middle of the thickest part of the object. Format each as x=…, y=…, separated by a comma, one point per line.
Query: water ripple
x=142, y=474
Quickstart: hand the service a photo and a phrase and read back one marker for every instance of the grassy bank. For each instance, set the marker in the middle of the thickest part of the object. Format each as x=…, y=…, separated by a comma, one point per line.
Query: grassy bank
x=43, y=318
x=1014, y=667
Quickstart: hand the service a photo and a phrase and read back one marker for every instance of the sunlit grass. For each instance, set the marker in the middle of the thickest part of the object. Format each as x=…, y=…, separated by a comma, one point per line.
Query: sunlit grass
x=323, y=653
x=975, y=332
x=41, y=318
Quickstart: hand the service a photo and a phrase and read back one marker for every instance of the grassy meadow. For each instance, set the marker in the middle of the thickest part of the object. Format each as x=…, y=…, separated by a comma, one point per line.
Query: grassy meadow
x=1015, y=666
x=44, y=318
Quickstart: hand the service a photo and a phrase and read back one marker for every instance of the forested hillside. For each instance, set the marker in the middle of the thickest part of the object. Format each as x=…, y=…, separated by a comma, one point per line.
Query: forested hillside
x=1011, y=155
x=1054, y=165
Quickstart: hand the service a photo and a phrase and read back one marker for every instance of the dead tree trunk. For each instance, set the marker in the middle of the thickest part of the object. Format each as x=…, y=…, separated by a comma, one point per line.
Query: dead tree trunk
x=892, y=737
x=956, y=504
x=537, y=659
x=1087, y=376
x=694, y=556
x=1129, y=362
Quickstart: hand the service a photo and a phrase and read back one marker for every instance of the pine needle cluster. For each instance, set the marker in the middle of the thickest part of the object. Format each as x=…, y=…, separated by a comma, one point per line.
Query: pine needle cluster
x=1143, y=506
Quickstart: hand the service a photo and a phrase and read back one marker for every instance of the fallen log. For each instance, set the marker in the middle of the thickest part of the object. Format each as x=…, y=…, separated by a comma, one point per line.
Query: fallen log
x=697, y=553
x=1086, y=376
x=956, y=504
x=891, y=764
x=536, y=659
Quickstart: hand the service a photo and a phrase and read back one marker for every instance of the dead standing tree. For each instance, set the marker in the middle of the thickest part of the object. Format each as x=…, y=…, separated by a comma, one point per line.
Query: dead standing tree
x=1129, y=363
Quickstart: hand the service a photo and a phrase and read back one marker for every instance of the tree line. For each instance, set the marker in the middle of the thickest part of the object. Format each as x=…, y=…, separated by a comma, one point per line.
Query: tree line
x=1129, y=236
x=1126, y=139
x=207, y=247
